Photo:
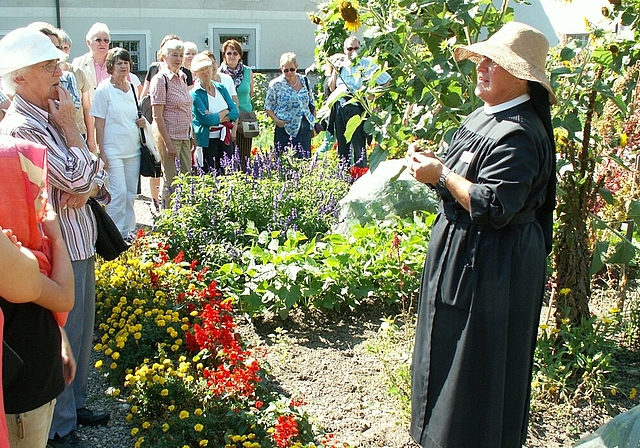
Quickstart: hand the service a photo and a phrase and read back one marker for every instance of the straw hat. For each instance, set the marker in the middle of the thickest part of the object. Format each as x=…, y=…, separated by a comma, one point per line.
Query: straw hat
x=518, y=48
x=24, y=47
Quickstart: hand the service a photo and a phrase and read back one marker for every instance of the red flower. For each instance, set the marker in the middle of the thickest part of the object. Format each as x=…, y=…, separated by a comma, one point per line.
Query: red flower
x=285, y=430
x=356, y=172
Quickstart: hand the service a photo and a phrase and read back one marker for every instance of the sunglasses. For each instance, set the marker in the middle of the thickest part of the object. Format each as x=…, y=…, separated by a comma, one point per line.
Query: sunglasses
x=100, y=40
x=352, y=48
x=232, y=53
x=287, y=70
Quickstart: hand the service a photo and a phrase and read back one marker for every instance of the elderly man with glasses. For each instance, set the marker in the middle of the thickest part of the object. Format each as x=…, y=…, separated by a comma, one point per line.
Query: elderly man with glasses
x=353, y=75
x=44, y=113
x=94, y=66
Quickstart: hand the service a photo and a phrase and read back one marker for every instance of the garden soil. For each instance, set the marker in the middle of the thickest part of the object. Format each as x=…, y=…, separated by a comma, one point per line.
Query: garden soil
x=329, y=363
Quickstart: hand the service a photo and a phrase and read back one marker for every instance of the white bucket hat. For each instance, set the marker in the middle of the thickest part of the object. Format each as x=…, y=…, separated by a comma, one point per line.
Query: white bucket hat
x=23, y=47
x=200, y=61
x=518, y=48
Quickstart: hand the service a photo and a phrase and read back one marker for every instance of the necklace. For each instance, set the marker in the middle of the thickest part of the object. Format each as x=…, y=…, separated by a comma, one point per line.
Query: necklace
x=295, y=83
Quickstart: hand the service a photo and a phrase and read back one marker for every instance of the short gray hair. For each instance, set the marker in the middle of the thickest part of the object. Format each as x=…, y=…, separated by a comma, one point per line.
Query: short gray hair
x=173, y=44
x=9, y=84
x=190, y=46
x=96, y=29
x=288, y=57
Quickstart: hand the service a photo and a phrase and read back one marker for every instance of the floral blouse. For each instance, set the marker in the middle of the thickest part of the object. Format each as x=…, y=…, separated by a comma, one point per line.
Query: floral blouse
x=289, y=105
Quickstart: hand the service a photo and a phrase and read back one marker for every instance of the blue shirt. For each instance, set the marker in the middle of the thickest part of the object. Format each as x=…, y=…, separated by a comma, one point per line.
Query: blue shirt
x=288, y=104
x=351, y=76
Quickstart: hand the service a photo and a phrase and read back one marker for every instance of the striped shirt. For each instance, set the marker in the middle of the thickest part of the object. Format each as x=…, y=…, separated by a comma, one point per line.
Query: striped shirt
x=71, y=170
x=170, y=90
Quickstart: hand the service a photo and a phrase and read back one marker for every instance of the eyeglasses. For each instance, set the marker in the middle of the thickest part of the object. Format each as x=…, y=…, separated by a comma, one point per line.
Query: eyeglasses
x=232, y=53
x=65, y=47
x=100, y=40
x=51, y=67
x=287, y=70
x=352, y=48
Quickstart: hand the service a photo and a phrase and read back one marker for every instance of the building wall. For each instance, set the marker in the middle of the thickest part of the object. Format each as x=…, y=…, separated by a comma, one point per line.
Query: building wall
x=275, y=26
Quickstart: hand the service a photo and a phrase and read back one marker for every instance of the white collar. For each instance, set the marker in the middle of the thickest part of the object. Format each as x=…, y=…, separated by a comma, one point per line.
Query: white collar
x=508, y=105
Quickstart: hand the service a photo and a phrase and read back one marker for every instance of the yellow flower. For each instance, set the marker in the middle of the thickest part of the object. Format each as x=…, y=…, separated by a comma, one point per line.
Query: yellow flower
x=115, y=356
x=164, y=392
x=198, y=412
x=565, y=291
x=350, y=15
x=134, y=431
x=204, y=442
x=614, y=310
x=165, y=427
x=565, y=321
x=614, y=391
x=146, y=425
x=113, y=366
x=183, y=415
x=134, y=409
x=624, y=140
x=198, y=427
x=171, y=407
x=544, y=326
x=98, y=364
x=633, y=393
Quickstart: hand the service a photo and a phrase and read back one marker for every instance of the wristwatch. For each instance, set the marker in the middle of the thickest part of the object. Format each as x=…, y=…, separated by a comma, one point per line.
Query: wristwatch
x=443, y=177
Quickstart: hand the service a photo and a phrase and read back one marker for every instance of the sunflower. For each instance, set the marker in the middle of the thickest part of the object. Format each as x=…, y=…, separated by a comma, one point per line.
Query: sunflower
x=350, y=15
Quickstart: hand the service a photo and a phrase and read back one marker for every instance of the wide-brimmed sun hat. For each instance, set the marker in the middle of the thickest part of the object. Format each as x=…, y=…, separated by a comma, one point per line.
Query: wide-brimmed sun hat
x=23, y=47
x=200, y=61
x=518, y=48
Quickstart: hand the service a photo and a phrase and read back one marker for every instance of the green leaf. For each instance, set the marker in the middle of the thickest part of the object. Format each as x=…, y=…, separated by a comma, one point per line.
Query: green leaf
x=624, y=253
x=377, y=156
x=606, y=195
x=352, y=125
x=634, y=211
x=597, y=262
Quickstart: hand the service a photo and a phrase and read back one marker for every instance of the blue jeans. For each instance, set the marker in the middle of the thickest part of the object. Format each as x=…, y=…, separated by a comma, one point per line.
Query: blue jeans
x=301, y=142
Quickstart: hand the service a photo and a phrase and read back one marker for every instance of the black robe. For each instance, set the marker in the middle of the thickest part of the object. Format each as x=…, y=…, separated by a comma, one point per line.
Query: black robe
x=482, y=286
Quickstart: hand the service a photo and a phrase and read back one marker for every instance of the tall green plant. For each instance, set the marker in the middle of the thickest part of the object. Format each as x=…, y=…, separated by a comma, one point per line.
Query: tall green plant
x=584, y=78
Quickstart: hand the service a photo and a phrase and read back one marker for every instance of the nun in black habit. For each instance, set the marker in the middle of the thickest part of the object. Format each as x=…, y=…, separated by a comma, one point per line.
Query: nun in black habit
x=484, y=277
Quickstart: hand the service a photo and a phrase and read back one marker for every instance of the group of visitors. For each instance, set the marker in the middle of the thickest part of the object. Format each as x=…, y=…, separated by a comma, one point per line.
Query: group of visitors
x=483, y=280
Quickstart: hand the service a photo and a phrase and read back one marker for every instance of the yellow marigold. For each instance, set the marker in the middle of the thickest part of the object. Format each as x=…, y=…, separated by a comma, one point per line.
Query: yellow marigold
x=204, y=442
x=198, y=412
x=198, y=427
x=146, y=425
x=164, y=392
x=183, y=415
x=113, y=366
x=614, y=391
x=134, y=431
x=129, y=417
x=165, y=427
x=98, y=364
x=350, y=15
x=134, y=409
x=115, y=356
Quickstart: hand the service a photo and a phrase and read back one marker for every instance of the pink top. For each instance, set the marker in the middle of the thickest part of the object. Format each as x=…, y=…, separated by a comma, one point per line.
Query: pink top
x=174, y=95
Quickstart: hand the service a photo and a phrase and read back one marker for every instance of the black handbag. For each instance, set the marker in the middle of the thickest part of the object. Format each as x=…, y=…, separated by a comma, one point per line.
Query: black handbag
x=109, y=243
x=149, y=166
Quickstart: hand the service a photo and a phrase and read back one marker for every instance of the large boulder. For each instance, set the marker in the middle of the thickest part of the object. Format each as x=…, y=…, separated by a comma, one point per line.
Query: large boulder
x=623, y=431
x=382, y=194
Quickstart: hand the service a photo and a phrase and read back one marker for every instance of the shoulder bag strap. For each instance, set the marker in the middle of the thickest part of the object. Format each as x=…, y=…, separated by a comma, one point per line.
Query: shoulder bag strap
x=135, y=97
